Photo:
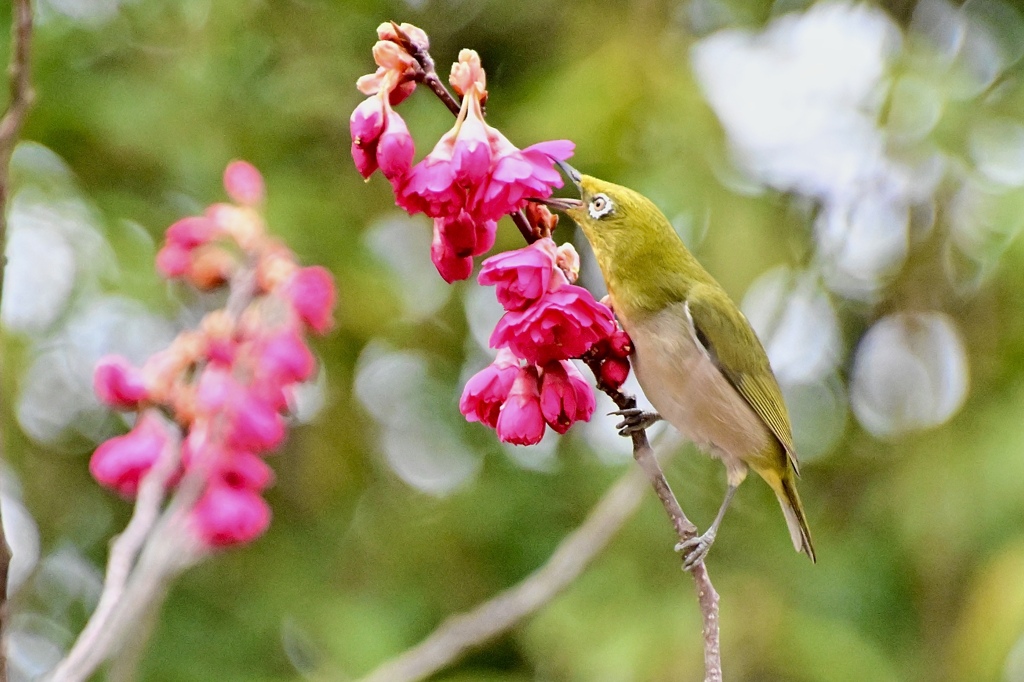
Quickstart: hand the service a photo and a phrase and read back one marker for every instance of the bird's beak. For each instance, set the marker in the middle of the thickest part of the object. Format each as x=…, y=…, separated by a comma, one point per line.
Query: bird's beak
x=565, y=203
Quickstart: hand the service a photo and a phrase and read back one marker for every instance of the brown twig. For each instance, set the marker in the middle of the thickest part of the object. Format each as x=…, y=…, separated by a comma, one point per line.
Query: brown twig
x=10, y=129
x=707, y=597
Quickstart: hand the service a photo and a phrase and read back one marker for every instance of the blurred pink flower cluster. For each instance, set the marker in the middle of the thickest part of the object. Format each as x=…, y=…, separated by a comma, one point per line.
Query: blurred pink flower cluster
x=227, y=385
x=548, y=321
x=472, y=177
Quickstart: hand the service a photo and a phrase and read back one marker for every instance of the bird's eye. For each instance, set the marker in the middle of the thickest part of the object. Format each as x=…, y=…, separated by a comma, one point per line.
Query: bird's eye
x=600, y=206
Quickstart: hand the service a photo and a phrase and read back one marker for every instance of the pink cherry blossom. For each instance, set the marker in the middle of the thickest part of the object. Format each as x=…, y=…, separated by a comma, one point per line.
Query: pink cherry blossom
x=520, y=421
x=254, y=422
x=521, y=276
x=226, y=515
x=466, y=236
x=241, y=469
x=121, y=462
x=193, y=231
x=118, y=383
x=562, y=324
x=450, y=265
x=487, y=390
x=284, y=357
x=244, y=184
x=471, y=154
x=517, y=175
x=429, y=187
x=395, y=148
x=310, y=290
x=565, y=396
x=173, y=260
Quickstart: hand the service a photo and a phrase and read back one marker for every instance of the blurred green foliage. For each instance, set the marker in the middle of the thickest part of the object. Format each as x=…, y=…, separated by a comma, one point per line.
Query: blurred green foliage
x=920, y=540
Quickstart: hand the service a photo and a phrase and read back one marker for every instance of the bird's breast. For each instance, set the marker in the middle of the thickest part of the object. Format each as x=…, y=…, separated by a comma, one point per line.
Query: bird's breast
x=686, y=387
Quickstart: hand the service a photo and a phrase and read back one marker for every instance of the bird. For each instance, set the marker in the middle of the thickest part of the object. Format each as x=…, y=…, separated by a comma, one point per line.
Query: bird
x=698, y=360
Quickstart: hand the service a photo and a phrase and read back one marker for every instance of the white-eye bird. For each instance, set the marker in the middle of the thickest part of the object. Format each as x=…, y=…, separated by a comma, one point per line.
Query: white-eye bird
x=694, y=353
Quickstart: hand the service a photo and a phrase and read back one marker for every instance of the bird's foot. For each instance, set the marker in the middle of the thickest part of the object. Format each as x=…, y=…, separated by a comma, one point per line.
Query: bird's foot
x=634, y=420
x=696, y=548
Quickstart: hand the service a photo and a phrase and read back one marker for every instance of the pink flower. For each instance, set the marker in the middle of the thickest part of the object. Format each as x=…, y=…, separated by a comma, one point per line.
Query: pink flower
x=520, y=421
x=311, y=292
x=243, y=469
x=521, y=276
x=255, y=423
x=466, y=236
x=244, y=184
x=380, y=139
x=121, y=462
x=173, y=260
x=562, y=324
x=188, y=233
x=284, y=358
x=517, y=175
x=119, y=384
x=487, y=390
x=226, y=515
x=450, y=265
x=395, y=148
x=565, y=396
x=429, y=187
x=471, y=154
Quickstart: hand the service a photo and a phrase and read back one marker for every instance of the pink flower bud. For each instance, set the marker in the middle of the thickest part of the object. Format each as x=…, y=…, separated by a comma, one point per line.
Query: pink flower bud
x=311, y=292
x=395, y=148
x=365, y=159
x=188, y=233
x=241, y=469
x=520, y=421
x=244, y=184
x=173, y=261
x=256, y=425
x=565, y=396
x=487, y=390
x=367, y=121
x=118, y=384
x=284, y=358
x=522, y=276
x=467, y=73
x=450, y=265
x=614, y=372
x=121, y=462
x=568, y=262
x=471, y=155
x=226, y=515
x=562, y=324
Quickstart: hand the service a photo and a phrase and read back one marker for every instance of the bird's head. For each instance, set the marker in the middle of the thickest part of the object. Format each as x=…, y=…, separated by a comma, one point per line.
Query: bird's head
x=612, y=216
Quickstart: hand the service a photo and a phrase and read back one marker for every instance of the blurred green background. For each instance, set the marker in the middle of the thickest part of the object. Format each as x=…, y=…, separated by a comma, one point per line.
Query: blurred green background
x=390, y=512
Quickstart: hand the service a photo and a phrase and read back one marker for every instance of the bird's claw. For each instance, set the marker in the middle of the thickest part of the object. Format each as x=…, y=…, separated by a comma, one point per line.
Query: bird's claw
x=695, y=549
x=634, y=420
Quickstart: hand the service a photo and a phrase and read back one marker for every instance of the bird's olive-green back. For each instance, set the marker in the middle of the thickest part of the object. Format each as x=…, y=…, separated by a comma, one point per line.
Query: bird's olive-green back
x=647, y=268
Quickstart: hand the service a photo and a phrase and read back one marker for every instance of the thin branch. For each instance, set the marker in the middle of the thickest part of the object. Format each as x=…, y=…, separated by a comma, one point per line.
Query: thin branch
x=707, y=597
x=11, y=124
x=14, y=119
x=465, y=631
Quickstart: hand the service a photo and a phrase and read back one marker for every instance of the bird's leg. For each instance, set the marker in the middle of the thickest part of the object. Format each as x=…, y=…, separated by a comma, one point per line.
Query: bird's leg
x=697, y=548
x=634, y=420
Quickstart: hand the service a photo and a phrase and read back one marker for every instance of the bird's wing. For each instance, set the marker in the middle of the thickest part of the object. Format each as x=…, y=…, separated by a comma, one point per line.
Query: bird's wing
x=735, y=349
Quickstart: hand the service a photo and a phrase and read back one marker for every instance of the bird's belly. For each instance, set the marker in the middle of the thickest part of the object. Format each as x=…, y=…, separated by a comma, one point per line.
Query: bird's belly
x=688, y=390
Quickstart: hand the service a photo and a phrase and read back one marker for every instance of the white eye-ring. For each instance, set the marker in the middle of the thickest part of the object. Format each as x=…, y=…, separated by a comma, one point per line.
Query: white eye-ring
x=600, y=206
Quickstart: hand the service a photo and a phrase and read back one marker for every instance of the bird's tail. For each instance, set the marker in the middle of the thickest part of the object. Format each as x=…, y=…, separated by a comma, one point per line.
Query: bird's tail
x=789, y=500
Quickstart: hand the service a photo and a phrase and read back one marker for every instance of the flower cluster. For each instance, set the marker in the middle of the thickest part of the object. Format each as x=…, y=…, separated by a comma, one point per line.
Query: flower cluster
x=473, y=176
x=548, y=321
x=228, y=383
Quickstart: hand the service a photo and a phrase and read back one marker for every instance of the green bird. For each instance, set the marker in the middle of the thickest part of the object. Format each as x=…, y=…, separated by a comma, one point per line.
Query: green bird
x=694, y=353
